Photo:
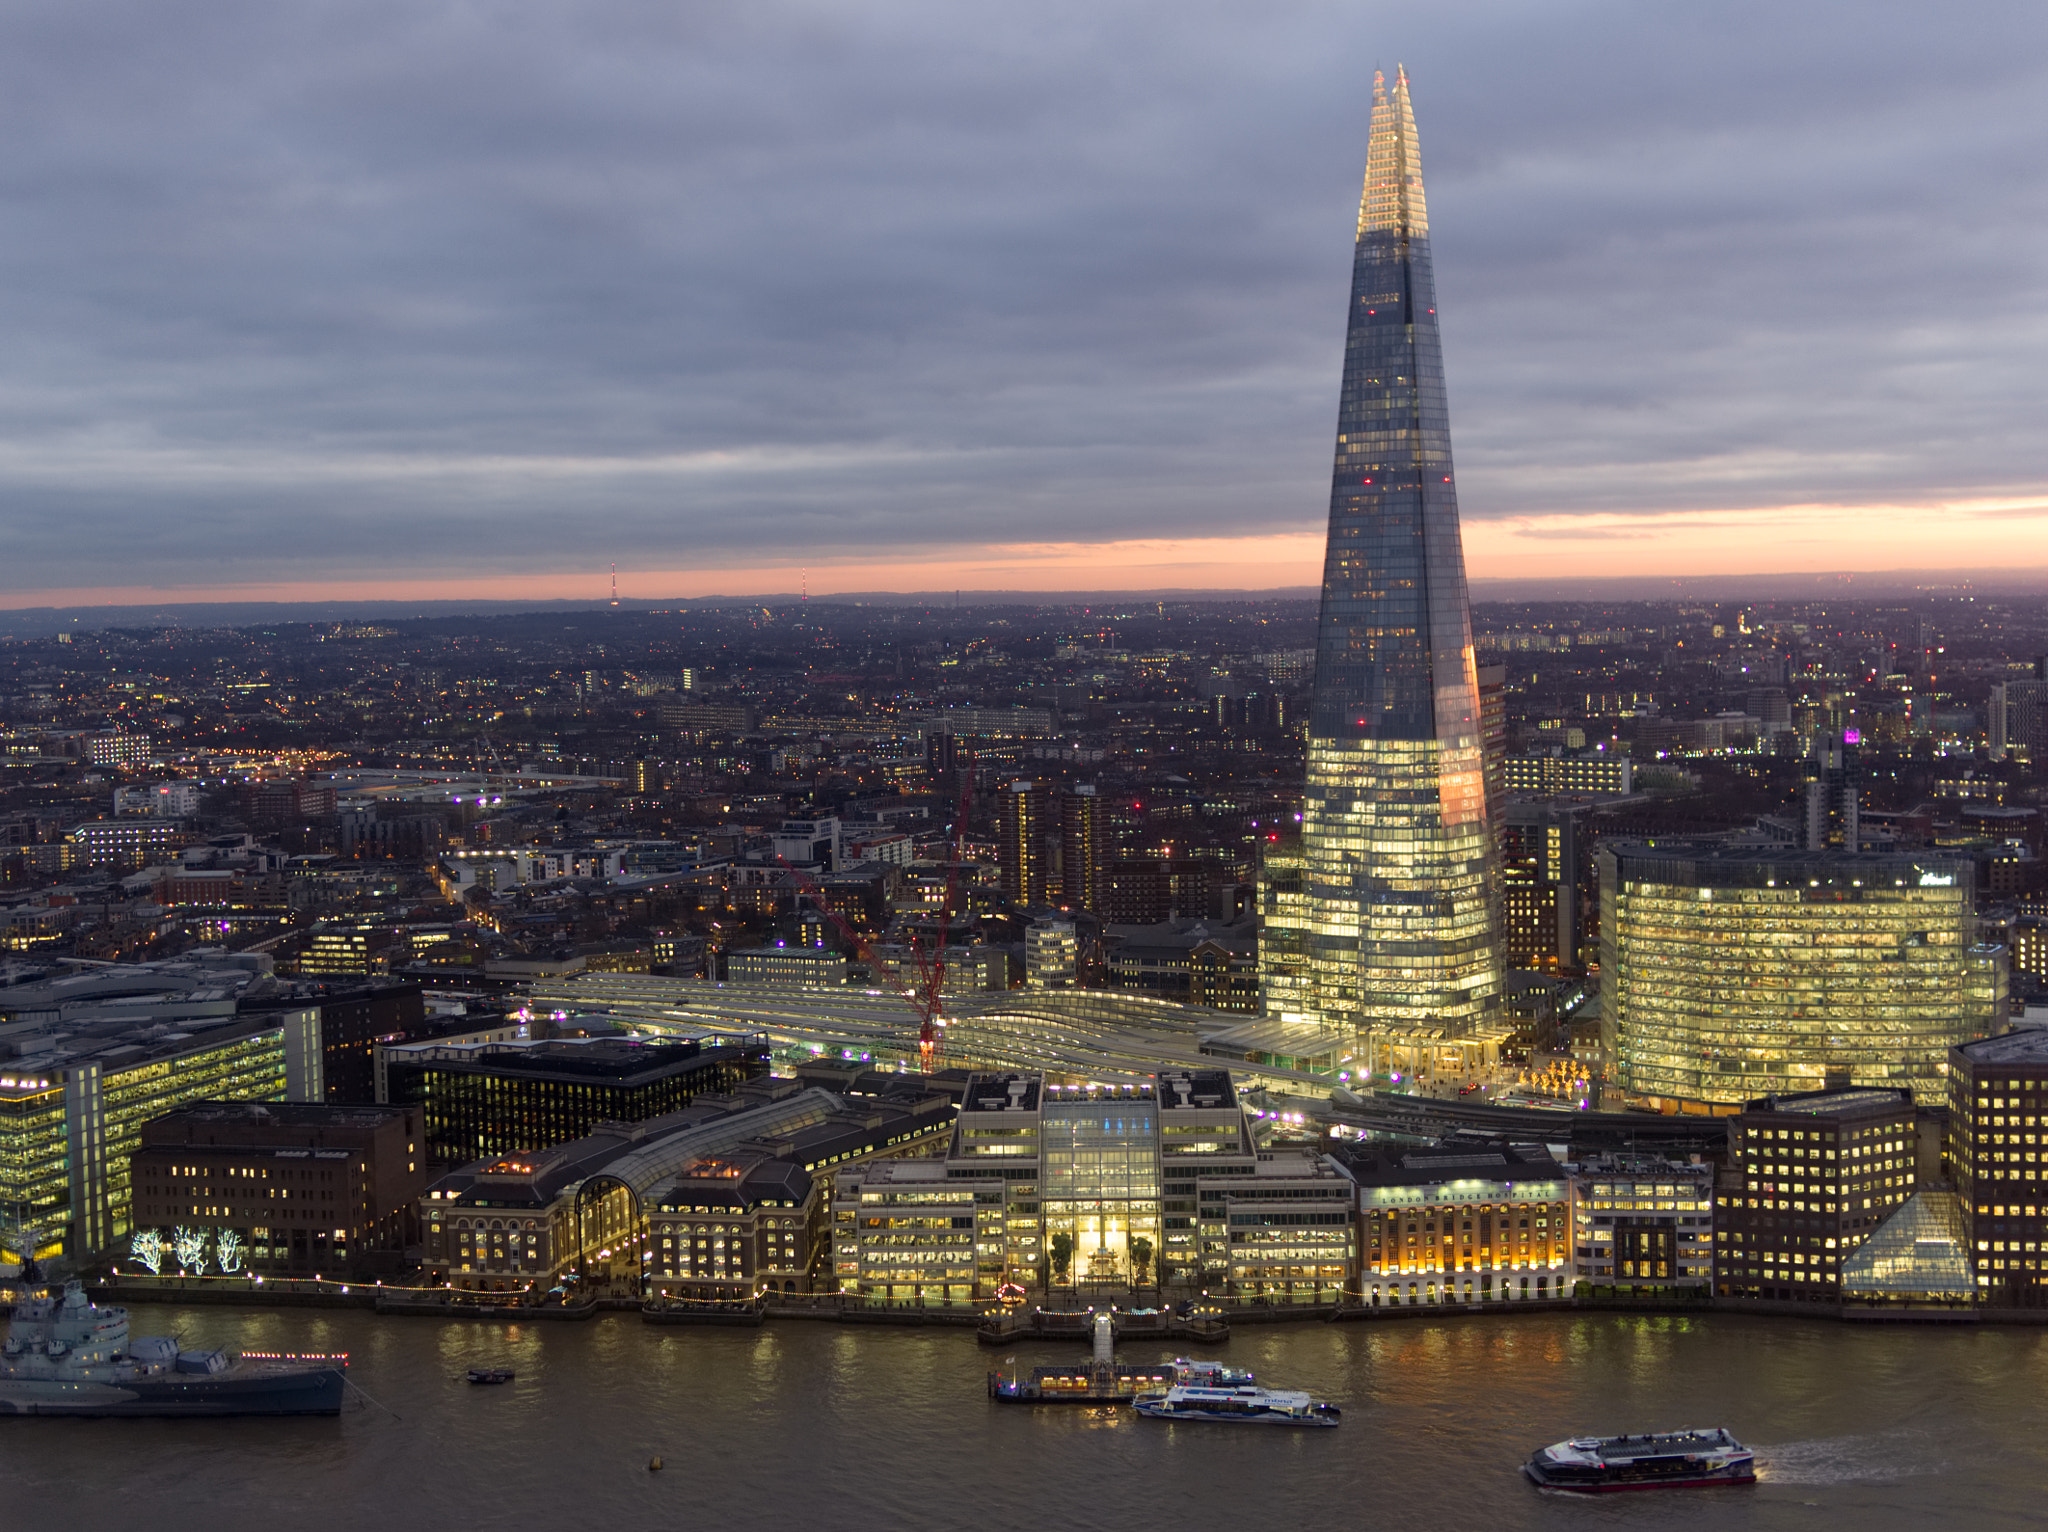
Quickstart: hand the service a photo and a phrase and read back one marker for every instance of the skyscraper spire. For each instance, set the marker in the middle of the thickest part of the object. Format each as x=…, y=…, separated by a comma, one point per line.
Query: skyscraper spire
x=1393, y=200
x=1401, y=929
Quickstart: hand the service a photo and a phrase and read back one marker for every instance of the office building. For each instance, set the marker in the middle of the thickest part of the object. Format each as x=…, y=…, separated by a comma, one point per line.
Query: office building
x=1643, y=1223
x=1052, y=955
x=277, y=1188
x=1286, y=977
x=125, y=750
x=1023, y=820
x=1998, y=1154
x=499, y=1098
x=1459, y=1222
x=1395, y=828
x=1811, y=1176
x=2016, y=719
x=81, y=1076
x=125, y=842
x=354, y=1019
x=349, y=952
x=1096, y=1189
x=1730, y=973
x=785, y=965
x=160, y=800
x=1595, y=774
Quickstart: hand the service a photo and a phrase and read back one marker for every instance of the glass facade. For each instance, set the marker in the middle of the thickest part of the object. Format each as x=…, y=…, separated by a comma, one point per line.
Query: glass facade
x=1921, y=1254
x=1097, y=1190
x=1395, y=814
x=1100, y=1172
x=66, y=1137
x=1731, y=974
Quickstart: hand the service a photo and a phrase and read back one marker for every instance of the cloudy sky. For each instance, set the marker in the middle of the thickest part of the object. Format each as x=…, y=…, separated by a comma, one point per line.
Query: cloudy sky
x=419, y=296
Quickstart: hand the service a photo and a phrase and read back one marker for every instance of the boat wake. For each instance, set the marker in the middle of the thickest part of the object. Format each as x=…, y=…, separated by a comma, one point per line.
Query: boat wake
x=1882, y=1458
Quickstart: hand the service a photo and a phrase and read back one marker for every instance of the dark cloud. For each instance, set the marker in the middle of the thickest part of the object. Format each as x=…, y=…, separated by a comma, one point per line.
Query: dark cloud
x=296, y=290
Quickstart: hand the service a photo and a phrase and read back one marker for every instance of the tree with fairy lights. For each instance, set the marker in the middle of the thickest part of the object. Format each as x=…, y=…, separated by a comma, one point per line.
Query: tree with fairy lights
x=189, y=1246
x=147, y=1246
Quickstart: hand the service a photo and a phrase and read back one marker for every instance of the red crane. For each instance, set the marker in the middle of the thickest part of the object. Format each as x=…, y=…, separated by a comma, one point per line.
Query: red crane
x=926, y=992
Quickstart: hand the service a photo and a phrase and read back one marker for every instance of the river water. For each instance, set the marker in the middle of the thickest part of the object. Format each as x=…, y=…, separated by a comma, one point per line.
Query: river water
x=854, y=1427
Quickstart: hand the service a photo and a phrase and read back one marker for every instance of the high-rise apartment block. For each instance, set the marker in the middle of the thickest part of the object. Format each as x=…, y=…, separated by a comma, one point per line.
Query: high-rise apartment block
x=2016, y=718
x=1729, y=973
x=1540, y=871
x=1023, y=818
x=1396, y=837
x=1087, y=845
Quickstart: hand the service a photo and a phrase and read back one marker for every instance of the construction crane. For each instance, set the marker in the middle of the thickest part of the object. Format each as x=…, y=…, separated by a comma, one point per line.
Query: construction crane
x=926, y=990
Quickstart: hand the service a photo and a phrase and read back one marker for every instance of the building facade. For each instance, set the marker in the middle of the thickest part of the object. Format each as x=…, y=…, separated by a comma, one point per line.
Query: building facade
x=125, y=842
x=284, y=1188
x=714, y=1202
x=1023, y=823
x=1486, y=1222
x=1643, y=1223
x=72, y=1113
x=1087, y=846
x=1096, y=1190
x=1597, y=774
x=1997, y=1153
x=1395, y=828
x=1729, y=973
x=496, y=1098
x=1811, y=1176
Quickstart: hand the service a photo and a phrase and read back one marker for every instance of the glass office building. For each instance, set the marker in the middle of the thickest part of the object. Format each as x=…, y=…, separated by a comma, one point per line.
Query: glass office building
x=1394, y=822
x=1097, y=1189
x=1730, y=973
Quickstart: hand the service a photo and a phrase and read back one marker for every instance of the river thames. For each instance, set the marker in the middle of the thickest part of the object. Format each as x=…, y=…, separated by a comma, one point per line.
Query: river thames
x=857, y=1427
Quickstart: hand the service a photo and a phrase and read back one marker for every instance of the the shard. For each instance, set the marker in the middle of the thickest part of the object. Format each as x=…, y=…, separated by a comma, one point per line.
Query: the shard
x=1402, y=931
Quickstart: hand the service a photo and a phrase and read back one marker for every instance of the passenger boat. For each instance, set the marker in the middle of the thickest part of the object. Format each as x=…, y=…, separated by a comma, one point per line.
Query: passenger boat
x=1243, y=1405
x=1657, y=1460
x=491, y=1375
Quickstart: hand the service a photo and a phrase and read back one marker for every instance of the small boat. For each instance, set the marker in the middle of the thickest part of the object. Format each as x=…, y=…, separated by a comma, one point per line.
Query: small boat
x=1244, y=1405
x=491, y=1375
x=1655, y=1460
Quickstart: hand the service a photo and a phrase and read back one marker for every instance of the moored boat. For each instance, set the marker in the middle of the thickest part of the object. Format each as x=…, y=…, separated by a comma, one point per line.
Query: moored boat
x=65, y=1355
x=491, y=1375
x=1244, y=1405
x=1655, y=1460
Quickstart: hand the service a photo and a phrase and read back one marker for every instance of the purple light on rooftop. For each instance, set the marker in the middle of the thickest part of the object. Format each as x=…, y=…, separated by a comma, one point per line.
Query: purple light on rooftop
x=1852, y=736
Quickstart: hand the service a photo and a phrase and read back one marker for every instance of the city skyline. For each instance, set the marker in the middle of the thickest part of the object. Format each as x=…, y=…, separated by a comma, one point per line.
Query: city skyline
x=550, y=300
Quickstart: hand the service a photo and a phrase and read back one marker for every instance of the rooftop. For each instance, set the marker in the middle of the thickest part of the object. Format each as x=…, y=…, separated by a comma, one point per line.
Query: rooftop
x=2029, y=1045
x=1836, y=1103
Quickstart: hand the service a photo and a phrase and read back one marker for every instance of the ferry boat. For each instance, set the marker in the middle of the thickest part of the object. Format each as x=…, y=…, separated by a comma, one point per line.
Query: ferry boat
x=1657, y=1460
x=1243, y=1405
x=65, y=1355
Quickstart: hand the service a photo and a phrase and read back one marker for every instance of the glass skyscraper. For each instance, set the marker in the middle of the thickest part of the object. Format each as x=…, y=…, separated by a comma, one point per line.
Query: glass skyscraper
x=1402, y=929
